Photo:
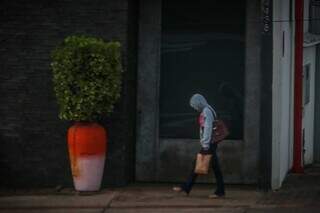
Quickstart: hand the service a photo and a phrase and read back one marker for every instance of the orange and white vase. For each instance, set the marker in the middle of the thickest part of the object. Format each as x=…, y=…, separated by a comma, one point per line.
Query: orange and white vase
x=87, y=143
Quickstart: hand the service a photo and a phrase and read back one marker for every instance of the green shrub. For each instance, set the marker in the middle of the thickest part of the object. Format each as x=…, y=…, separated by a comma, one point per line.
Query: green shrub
x=86, y=77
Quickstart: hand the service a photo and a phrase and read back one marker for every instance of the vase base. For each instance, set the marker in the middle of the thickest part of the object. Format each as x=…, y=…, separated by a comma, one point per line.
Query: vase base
x=90, y=172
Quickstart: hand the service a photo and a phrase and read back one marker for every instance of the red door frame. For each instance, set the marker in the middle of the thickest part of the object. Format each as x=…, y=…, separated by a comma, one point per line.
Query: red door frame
x=298, y=74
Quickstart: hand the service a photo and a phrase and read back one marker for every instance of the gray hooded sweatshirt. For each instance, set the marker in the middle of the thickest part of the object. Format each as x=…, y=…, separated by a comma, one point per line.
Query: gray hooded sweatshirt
x=206, y=119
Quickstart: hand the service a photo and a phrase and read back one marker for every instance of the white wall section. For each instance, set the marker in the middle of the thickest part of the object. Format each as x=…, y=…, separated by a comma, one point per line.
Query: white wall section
x=282, y=92
x=309, y=59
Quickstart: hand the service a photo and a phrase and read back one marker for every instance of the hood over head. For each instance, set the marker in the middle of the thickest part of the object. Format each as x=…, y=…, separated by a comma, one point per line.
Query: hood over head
x=198, y=102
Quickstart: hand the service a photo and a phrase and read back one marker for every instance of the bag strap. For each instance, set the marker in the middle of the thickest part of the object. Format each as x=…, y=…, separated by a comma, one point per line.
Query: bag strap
x=215, y=116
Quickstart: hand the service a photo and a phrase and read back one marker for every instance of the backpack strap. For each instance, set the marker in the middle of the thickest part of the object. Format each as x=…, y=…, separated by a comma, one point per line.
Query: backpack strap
x=215, y=116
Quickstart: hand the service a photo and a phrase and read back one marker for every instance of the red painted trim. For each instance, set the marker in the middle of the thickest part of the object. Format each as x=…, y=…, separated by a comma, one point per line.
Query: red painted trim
x=297, y=154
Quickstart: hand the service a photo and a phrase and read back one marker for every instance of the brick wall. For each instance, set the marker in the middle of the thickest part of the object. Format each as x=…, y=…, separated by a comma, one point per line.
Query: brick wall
x=33, y=150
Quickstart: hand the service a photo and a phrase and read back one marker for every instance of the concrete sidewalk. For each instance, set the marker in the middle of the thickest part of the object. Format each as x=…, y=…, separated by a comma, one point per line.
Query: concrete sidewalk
x=135, y=198
x=300, y=193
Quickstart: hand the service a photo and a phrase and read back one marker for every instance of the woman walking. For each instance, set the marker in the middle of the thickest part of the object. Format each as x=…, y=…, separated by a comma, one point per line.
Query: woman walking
x=208, y=146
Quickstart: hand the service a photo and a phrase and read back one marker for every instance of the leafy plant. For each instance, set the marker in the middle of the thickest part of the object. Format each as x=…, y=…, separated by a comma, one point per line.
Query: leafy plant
x=86, y=77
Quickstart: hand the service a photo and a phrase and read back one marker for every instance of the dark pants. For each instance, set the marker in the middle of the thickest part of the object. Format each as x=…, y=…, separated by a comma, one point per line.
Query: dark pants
x=187, y=186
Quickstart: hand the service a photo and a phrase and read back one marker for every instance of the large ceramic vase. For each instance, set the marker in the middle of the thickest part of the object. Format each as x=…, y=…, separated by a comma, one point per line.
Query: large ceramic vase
x=87, y=143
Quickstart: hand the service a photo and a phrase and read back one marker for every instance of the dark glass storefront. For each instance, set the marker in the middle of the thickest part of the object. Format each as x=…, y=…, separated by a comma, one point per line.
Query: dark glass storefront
x=202, y=51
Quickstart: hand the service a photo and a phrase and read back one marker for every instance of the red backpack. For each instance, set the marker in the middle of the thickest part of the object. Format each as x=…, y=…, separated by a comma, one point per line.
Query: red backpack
x=220, y=131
